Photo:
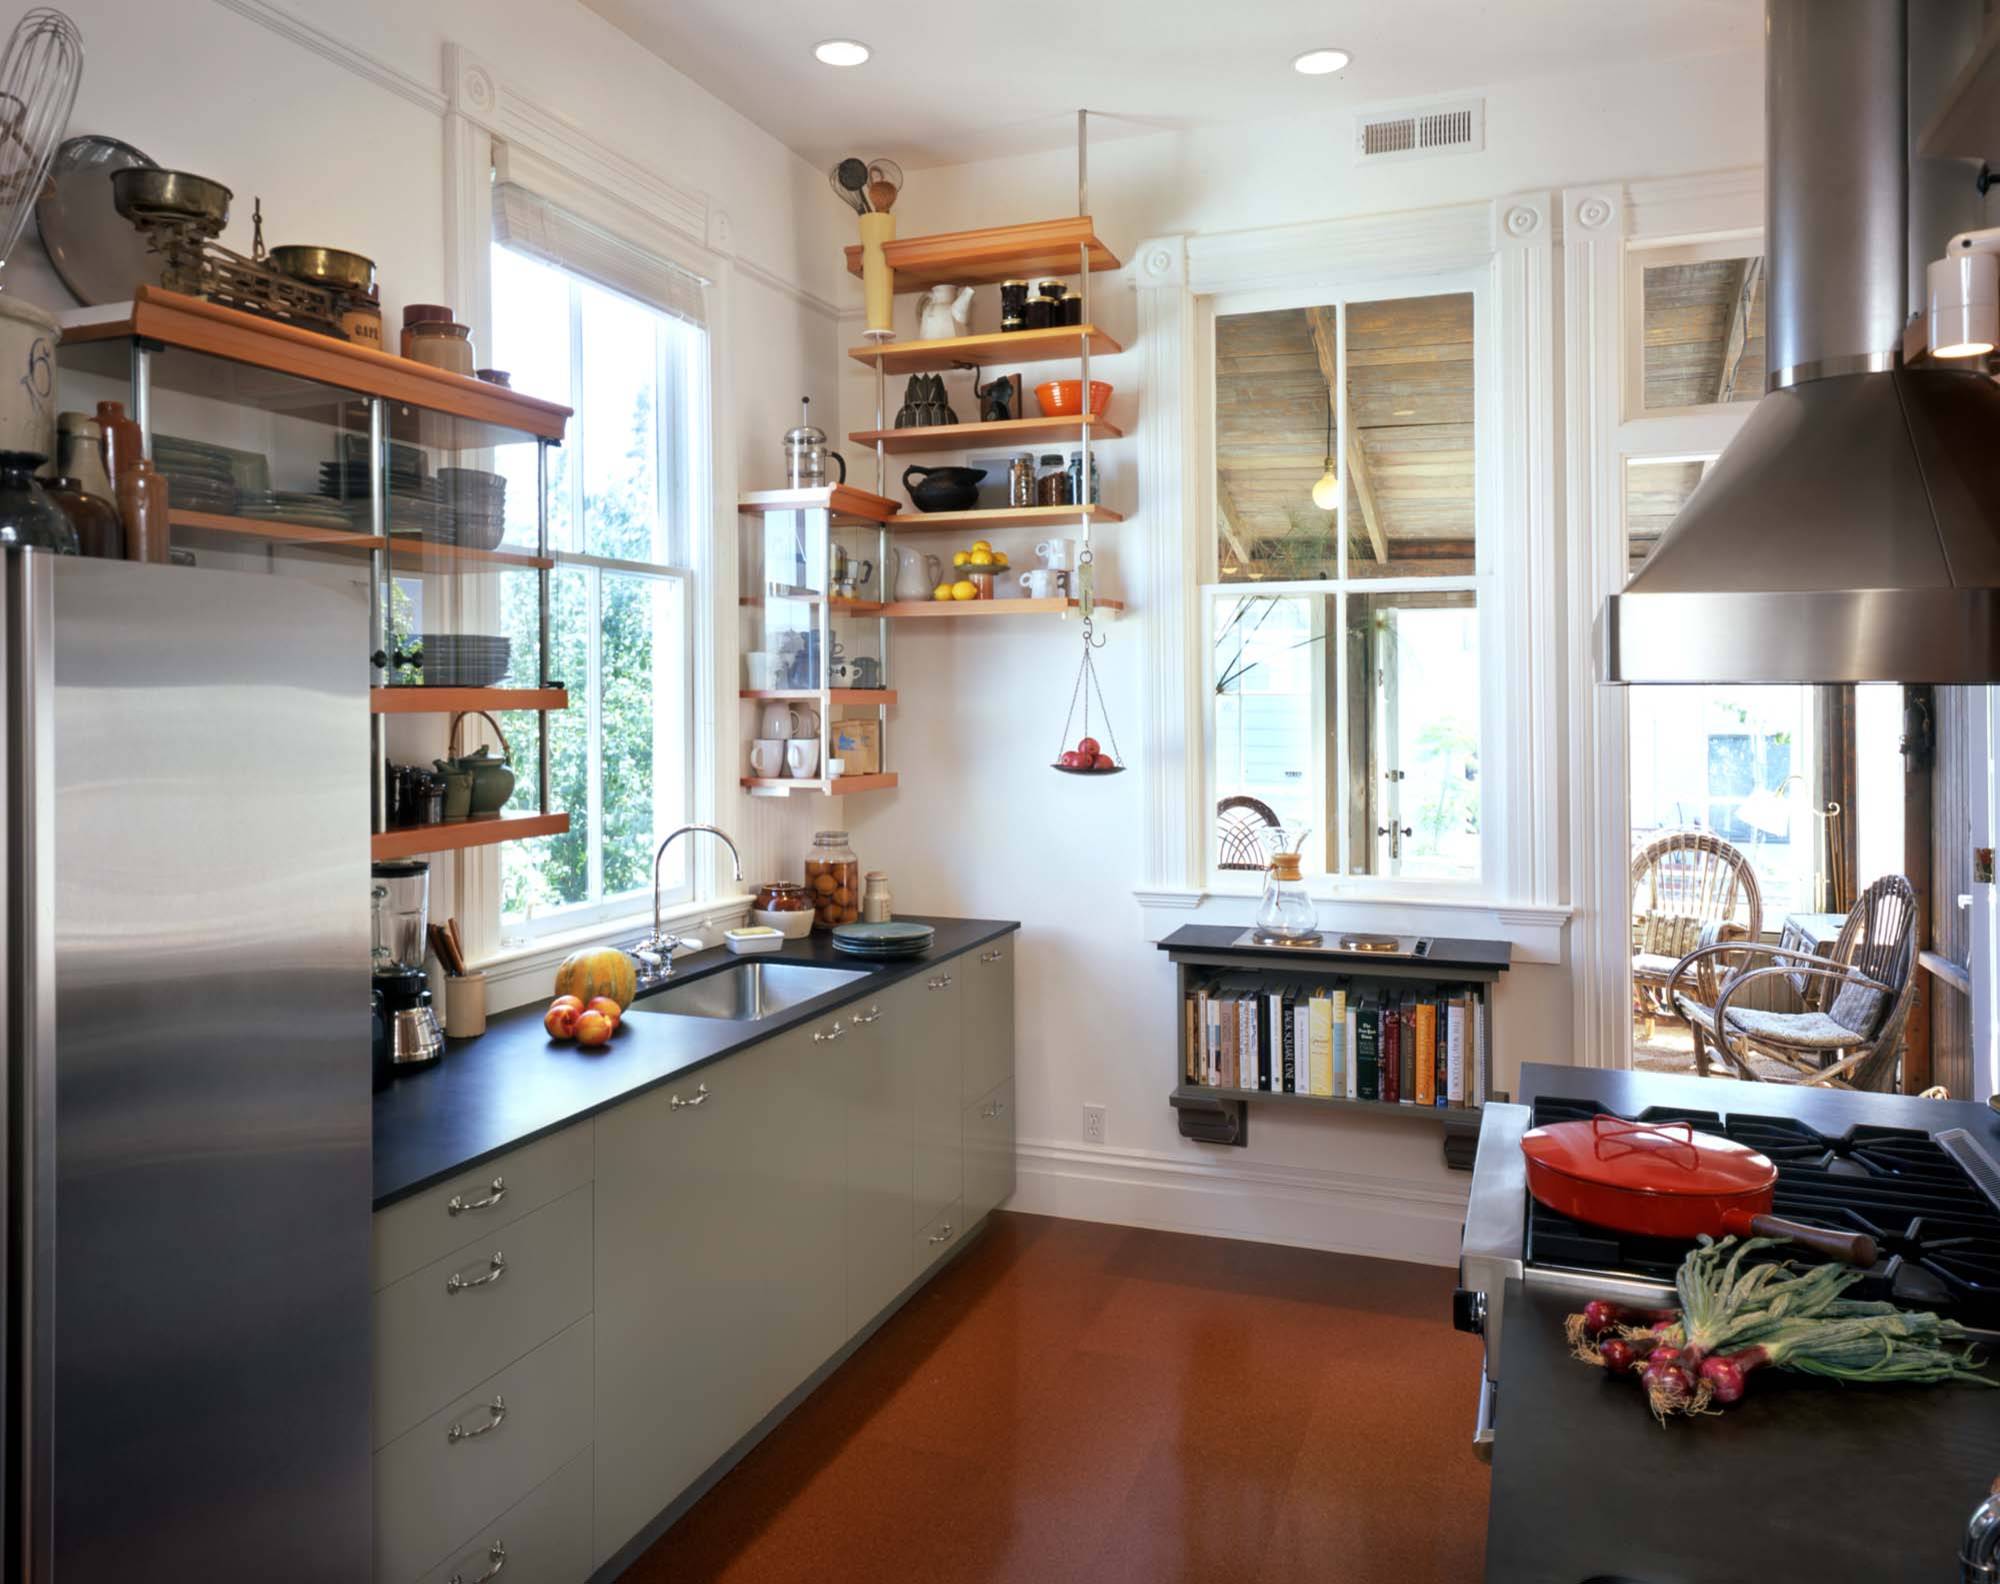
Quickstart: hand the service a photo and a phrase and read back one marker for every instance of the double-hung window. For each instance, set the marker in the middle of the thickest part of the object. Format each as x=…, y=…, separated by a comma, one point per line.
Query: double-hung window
x=627, y=491
x=1342, y=631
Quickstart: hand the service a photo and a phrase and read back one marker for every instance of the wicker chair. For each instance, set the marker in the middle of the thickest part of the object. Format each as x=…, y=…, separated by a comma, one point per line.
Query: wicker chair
x=1690, y=889
x=1849, y=1033
x=1239, y=826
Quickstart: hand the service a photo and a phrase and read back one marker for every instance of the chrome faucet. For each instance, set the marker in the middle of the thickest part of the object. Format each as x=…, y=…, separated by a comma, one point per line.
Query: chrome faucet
x=665, y=944
x=1979, y=1559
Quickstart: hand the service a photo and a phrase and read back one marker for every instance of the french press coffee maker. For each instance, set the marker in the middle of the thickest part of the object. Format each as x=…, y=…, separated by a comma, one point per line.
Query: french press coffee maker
x=806, y=453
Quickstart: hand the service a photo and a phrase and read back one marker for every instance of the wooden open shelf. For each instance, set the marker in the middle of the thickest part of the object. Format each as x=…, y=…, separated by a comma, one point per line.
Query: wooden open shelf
x=410, y=552
x=840, y=786
x=811, y=695
x=487, y=831
x=841, y=607
x=1005, y=517
x=963, y=437
x=997, y=253
x=450, y=700
x=280, y=532
x=1462, y=1116
x=1008, y=350
x=952, y=609
x=843, y=500
x=175, y=320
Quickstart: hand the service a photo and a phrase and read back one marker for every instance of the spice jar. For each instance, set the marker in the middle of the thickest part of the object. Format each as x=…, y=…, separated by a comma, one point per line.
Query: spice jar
x=833, y=879
x=1042, y=313
x=1076, y=478
x=875, y=899
x=1021, y=480
x=1055, y=291
x=781, y=896
x=1014, y=305
x=1052, y=487
x=1072, y=309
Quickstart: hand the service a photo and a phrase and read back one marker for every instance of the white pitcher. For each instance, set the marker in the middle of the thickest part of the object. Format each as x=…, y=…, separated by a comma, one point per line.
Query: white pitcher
x=940, y=315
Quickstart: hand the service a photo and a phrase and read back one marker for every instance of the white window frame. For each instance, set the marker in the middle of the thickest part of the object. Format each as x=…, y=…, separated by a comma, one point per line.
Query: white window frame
x=1335, y=883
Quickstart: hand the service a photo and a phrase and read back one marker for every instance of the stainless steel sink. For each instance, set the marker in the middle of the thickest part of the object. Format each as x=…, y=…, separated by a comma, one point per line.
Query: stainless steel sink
x=750, y=991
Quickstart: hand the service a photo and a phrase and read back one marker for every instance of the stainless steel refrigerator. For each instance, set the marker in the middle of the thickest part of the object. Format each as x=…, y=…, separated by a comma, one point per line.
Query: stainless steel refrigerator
x=187, y=1181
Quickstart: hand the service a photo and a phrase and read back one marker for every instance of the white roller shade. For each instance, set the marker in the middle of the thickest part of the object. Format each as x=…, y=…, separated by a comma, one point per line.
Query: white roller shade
x=531, y=224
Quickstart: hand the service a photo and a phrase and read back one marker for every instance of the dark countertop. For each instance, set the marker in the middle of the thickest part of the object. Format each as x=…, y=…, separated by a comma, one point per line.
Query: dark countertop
x=1586, y=1484
x=1803, y=1479
x=513, y=1083
x=1446, y=953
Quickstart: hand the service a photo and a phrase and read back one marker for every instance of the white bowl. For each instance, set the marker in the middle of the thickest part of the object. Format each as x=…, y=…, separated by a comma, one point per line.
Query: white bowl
x=796, y=926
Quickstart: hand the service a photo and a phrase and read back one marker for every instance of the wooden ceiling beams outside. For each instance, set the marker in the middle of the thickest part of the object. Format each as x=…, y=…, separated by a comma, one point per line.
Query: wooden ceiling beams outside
x=1748, y=284
x=1326, y=347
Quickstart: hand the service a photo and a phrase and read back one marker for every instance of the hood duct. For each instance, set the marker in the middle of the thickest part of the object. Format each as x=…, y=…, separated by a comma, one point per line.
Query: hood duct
x=1851, y=531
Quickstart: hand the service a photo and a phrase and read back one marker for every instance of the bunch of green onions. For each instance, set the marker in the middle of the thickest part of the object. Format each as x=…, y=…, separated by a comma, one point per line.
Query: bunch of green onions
x=1736, y=1316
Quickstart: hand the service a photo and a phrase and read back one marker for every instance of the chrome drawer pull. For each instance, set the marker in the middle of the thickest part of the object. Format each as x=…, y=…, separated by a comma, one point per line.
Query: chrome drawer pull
x=870, y=1016
x=678, y=1104
x=459, y=1204
x=941, y=983
x=497, y=1267
x=993, y=956
x=994, y=1110
x=943, y=1234
x=497, y=1555
x=825, y=1036
x=496, y=1412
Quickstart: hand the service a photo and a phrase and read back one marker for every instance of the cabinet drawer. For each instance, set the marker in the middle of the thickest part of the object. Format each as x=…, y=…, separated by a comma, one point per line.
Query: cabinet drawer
x=940, y=1237
x=442, y=1330
x=989, y=1151
x=544, y=1540
x=469, y=1463
x=986, y=975
x=427, y=1226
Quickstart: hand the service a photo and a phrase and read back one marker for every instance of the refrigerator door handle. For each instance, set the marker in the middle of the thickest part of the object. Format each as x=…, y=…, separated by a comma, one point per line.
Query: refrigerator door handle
x=28, y=963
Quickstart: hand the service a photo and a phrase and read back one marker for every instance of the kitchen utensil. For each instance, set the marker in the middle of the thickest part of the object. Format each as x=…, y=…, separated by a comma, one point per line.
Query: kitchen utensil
x=885, y=180
x=457, y=789
x=753, y=941
x=786, y=721
x=95, y=519
x=835, y=768
x=1286, y=915
x=849, y=181
x=996, y=399
x=465, y=1005
x=492, y=778
x=1045, y=583
x=1064, y=398
x=39, y=72
x=943, y=311
x=27, y=515
x=793, y=925
x=324, y=266
x=943, y=488
x=802, y=758
x=806, y=453
x=1059, y=555
x=918, y=572
x=443, y=346
x=1664, y=1179
x=893, y=938
x=143, y=506
x=878, y=279
x=876, y=903
x=100, y=257
x=759, y=670
x=144, y=192
x=867, y=672
x=767, y=757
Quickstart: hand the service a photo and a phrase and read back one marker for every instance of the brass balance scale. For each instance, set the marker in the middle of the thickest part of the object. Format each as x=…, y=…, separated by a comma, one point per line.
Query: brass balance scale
x=326, y=290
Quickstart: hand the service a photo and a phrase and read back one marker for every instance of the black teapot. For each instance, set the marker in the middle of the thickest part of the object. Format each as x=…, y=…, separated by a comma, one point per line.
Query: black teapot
x=943, y=488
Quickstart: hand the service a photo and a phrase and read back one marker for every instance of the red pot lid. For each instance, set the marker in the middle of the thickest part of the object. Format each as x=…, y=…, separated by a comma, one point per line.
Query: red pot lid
x=1648, y=1157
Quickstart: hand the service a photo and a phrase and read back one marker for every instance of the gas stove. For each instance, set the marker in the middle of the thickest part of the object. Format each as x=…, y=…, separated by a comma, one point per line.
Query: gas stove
x=1929, y=1197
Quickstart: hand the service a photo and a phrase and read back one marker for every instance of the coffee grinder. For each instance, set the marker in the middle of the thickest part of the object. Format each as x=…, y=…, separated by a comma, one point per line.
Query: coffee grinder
x=406, y=1027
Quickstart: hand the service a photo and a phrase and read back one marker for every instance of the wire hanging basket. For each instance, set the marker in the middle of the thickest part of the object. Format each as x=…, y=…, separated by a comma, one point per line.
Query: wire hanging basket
x=1083, y=754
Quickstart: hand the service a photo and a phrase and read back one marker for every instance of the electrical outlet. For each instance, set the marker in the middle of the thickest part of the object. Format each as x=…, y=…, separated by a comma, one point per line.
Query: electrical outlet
x=1093, y=1124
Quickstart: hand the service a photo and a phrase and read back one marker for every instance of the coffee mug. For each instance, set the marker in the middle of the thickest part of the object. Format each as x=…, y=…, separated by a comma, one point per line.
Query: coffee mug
x=802, y=757
x=760, y=669
x=836, y=767
x=767, y=757
x=1057, y=554
x=789, y=720
x=1045, y=583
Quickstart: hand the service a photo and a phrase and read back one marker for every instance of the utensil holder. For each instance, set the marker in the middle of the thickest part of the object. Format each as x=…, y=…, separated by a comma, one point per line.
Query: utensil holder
x=878, y=281
x=465, y=1005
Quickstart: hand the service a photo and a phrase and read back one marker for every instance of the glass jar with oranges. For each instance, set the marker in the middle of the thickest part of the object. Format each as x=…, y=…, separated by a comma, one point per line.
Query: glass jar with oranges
x=833, y=880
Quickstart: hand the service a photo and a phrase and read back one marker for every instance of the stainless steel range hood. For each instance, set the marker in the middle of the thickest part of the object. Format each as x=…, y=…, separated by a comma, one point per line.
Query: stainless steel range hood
x=1851, y=531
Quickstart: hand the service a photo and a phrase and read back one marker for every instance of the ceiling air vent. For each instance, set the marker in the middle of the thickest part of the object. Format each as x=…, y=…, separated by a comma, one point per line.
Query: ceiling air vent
x=1457, y=128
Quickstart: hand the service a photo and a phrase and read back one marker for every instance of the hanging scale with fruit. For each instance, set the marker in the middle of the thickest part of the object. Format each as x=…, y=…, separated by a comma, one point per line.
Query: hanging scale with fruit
x=1088, y=756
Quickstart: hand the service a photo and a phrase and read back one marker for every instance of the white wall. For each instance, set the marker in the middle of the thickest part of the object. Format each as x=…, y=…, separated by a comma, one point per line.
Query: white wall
x=980, y=826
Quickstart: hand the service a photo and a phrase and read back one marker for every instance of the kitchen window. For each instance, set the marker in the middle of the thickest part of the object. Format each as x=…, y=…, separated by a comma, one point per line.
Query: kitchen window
x=1346, y=656
x=626, y=493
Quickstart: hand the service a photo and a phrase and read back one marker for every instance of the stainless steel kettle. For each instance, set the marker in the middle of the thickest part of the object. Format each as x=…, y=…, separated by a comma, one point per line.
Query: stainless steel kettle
x=806, y=453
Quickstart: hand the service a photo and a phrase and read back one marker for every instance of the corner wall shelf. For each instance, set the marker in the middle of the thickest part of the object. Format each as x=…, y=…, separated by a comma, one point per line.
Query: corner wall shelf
x=1004, y=517
x=962, y=437
x=961, y=609
x=1000, y=349
x=839, y=786
x=450, y=700
x=813, y=695
x=485, y=831
x=997, y=253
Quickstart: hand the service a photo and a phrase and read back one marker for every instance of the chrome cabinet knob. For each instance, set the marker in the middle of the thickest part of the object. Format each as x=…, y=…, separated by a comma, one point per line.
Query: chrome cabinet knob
x=827, y=1036
x=943, y=1234
x=869, y=1016
x=992, y=956
x=496, y=1559
x=458, y=1204
x=942, y=982
x=700, y=1098
x=496, y=1414
x=495, y=1269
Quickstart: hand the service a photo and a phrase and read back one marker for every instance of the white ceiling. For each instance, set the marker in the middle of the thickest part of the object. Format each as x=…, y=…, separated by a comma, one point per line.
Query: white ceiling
x=952, y=81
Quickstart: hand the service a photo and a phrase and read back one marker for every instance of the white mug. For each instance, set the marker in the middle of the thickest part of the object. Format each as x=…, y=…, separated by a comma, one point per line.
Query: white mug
x=759, y=670
x=1057, y=554
x=767, y=757
x=1045, y=583
x=802, y=757
x=836, y=767
x=790, y=720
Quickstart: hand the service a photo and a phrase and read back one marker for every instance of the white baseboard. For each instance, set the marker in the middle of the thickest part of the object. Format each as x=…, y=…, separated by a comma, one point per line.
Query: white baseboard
x=1304, y=1206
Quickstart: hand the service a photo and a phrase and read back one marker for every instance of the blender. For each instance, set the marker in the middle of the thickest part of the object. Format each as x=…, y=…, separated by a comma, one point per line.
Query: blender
x=406, y=1027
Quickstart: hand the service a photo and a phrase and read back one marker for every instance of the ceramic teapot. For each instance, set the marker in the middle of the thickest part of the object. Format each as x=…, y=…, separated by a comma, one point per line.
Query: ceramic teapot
x=492, y=773
x=943, y=311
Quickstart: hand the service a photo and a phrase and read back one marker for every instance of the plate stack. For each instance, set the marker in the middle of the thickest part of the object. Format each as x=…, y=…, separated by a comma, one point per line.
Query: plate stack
x=896, y=938
x=472, y=507
x=208, y=478
x=462, y=659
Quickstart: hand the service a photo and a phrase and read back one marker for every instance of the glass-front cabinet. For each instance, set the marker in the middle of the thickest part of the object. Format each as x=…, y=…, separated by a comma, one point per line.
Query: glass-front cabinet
x=816, y=689
x=420, y=493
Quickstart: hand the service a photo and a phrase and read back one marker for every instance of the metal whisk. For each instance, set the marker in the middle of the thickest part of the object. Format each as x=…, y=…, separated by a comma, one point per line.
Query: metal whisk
x=39, y=73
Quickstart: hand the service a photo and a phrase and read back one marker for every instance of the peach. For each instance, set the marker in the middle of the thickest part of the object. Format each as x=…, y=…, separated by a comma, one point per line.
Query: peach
x=561, y=1020
x=607, y=1007
x=594, y=1028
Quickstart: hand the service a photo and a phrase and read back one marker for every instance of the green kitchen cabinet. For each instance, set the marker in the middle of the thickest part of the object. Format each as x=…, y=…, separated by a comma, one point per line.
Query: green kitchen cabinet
x=877, y=1067
x=923, y=1013
x=987, y=1002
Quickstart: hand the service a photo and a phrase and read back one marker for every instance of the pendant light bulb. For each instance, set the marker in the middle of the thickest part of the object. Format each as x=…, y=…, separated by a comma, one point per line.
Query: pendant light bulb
x=1326, y=493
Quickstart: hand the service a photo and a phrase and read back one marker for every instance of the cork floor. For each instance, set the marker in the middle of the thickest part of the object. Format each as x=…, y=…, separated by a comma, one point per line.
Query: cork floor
x=1078, y=1401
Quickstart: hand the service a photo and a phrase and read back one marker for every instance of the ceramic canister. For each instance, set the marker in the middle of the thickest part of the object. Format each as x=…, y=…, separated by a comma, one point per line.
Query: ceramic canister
x=28, y=338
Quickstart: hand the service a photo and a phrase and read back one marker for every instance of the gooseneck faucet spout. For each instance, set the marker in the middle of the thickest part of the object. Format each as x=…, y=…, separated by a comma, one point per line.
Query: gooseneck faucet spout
x=1979, y=1560
x=663, y=943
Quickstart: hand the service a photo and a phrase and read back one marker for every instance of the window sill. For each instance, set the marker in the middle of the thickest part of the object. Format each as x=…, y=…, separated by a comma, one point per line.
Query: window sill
x=522, y=974
x=1534, y=930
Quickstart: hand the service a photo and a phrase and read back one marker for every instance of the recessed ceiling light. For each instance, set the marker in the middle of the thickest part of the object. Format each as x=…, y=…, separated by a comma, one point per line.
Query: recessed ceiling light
x=1317, y=63
x=844, y=52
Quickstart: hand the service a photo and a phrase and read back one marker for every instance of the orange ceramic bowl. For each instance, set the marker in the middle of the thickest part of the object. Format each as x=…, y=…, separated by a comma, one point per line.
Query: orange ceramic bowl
x=1064, y=398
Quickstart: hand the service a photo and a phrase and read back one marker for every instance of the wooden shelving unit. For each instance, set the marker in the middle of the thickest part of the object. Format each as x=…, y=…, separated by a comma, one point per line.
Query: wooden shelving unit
x=450, y=700
x=813, y=695
x=487, y=831
x=1461, y=1116
x=997, y=253
x=299, y=534
x=1003, y=517
x=964, y=610
x=963, y=437
x=840, y=607
x=1006, y=349
x=843, y=500
x=840, y=786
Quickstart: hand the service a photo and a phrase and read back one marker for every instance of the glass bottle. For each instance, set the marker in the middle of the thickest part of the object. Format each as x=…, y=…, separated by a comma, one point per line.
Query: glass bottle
x=833, y=879
x=1052, y=487
x=1286, y=916
x=27, y=515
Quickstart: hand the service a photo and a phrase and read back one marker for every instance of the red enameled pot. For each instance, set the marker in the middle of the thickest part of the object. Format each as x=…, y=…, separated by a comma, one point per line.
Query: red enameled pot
x=1663, y=1179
